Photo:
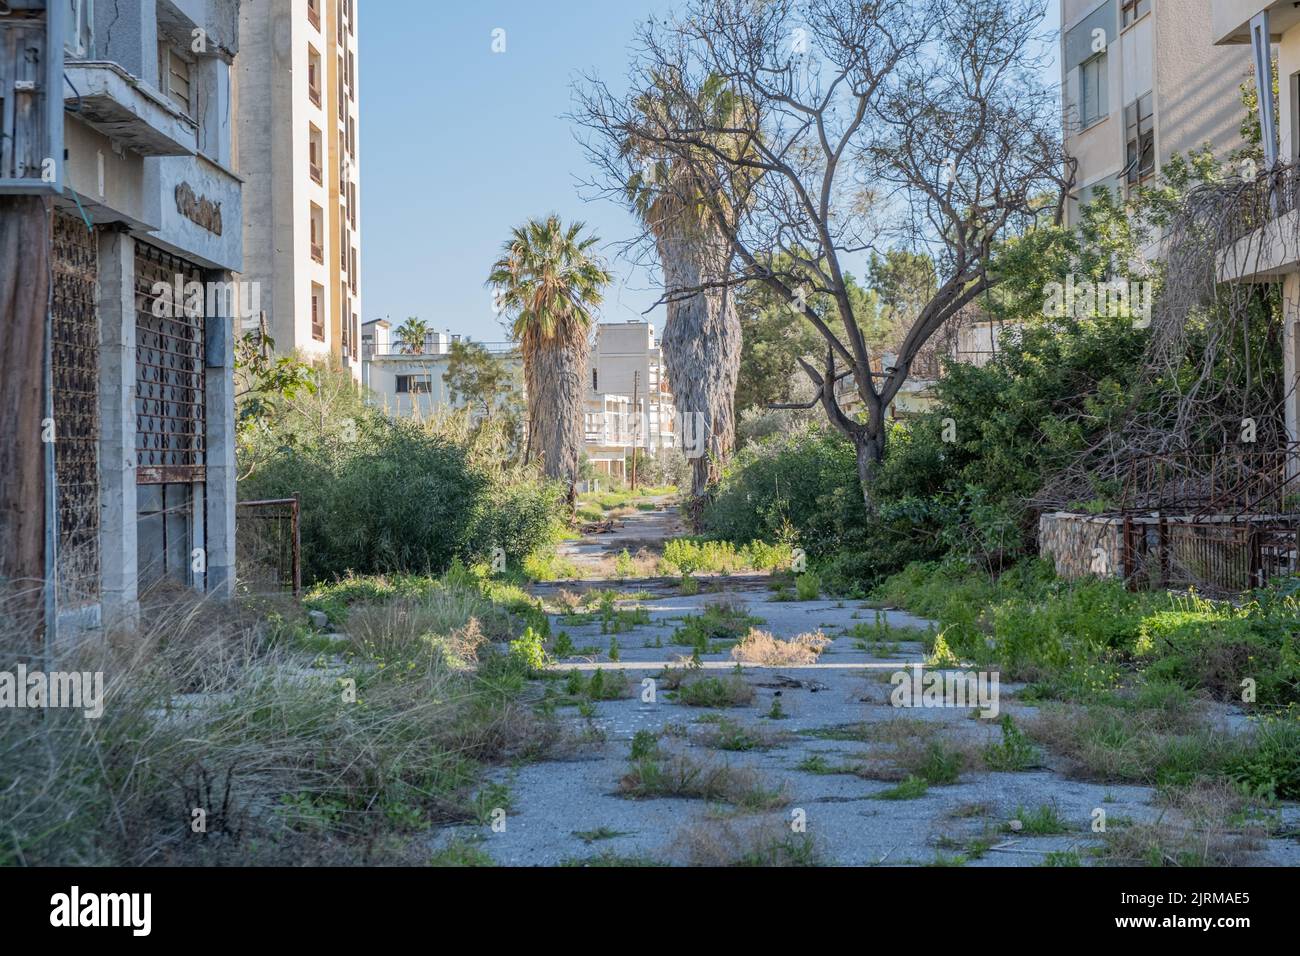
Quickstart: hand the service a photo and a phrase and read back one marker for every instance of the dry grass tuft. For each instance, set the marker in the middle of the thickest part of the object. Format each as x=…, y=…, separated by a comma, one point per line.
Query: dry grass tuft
x=760, y=647
x=767, y=841
x=680, y=775
x=1208, y=823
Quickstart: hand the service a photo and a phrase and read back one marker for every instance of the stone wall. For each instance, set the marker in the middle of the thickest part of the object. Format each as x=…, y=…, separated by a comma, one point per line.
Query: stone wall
x=1080, y=545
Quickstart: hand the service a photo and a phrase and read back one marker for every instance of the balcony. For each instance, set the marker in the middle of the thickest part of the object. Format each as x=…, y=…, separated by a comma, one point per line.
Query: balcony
x=128, y=111
x=1261, y=227
x=313, y=94
x=318, y=252
x=313, y=16
x=1230, y=19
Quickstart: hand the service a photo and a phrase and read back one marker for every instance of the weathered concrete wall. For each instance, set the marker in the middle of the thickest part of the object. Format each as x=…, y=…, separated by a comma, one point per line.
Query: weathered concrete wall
x=1081, y=545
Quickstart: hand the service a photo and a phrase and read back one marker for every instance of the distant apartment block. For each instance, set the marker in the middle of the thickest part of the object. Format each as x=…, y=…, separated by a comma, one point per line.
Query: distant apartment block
x=411, y=384
x=629, y=402
x=1142, y=81
x=298, y=145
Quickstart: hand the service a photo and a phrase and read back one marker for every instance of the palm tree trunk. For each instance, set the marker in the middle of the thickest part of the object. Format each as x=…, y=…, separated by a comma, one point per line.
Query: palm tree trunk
x=701, y=344
x=555, y=373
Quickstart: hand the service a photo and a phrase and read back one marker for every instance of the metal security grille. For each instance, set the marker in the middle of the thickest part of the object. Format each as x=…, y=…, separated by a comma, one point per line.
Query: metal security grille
x=1220, y=559
x=170, y=375
x=75, y=368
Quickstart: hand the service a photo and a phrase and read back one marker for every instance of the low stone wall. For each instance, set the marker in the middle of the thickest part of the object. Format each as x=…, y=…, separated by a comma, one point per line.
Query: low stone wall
x=1081, y=545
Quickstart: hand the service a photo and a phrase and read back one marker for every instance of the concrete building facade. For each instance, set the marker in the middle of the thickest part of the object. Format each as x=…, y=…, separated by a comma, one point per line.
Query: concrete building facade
x=298, y=144
x=629, y=402
x=1271, y=253
x=146, y=236
x=1141, y=82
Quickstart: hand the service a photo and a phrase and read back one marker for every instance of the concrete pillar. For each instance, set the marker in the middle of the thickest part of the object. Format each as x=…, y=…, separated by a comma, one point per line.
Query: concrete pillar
x=119, y=561
x=220, y=494
x=126, y=32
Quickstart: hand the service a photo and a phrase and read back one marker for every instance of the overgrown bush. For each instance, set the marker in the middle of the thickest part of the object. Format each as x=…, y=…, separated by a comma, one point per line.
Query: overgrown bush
x=380, y=495
x=1076, y=637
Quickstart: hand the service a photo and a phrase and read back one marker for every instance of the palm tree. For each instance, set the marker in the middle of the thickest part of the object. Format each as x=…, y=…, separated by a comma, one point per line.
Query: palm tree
x=702, y=334
x=412, y=335
x=548, y=280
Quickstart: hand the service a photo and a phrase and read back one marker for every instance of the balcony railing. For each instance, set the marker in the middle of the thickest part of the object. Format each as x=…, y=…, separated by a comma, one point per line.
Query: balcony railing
x=318, y=252
x=313, y=17
x=313, y=94
x=1268, y=196
x=317, y=174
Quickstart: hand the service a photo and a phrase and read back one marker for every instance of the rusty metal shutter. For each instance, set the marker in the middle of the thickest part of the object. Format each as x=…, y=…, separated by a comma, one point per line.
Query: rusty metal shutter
x=170, y=370
x=75, y=369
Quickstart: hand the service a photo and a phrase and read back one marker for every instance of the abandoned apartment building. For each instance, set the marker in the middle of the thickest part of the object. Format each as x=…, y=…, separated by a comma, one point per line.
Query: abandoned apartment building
x=136, y=97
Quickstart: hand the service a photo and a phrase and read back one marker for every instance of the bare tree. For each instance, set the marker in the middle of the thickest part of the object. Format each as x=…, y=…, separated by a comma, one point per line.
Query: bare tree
x=917, y=123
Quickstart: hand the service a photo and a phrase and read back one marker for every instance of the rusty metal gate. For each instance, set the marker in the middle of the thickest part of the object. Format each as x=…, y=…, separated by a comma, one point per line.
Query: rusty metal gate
x=75, y=370
x=268, y=546
x=1218, y=558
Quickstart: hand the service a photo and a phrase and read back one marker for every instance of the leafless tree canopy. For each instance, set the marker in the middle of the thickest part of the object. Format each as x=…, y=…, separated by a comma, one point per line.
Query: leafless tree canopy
x=850, y=126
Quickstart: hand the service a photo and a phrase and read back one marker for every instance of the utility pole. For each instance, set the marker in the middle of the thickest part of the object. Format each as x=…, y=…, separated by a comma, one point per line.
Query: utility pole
x=636, y=427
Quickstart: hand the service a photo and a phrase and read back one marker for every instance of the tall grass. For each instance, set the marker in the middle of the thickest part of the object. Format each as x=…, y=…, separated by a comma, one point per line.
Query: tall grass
x=226, y=738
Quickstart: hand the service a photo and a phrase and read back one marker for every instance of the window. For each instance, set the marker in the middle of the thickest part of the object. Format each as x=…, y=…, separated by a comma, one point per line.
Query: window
x=1295, y=117
x=174, y=75
x=315, y=150
x=317, y=312
x=594, y=386
x=81, y=14
x=343, y=91
x=1092, y=91
x=313, y=74
x=352, y=18
x=1140, y=138
x=1133, y=11
x=352, y=271
x=415, y=384
x=317, y=234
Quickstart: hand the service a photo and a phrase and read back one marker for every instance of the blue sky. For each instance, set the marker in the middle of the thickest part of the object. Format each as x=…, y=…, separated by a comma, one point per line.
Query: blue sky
x=460, y=144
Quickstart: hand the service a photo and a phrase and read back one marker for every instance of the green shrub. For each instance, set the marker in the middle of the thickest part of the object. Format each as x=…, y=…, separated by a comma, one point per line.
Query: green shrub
x=802, y=483
x=808, y=587
x=530, y=650
x=1270, y=767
